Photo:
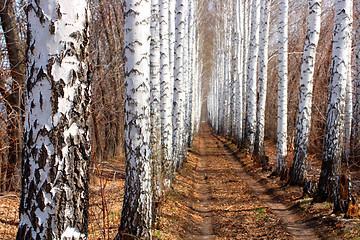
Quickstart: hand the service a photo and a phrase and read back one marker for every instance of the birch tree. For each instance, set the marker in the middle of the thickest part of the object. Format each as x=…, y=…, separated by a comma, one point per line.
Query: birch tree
x=166, y=92
x=281, y=143
x=190, y=66
x=136, y=218
x=246, y=44
x=172, y=29
x=54, y=195
x=251, y=76
x=186, y=77
x=299, y=169
x=234, y=66
x=155, y=139
x=262, y=79
x=330, y=168
x=178, y=100
x=240, y=63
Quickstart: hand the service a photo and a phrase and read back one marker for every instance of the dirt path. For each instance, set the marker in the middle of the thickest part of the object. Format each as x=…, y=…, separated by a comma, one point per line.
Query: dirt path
x=293, y=222
x=231, y=204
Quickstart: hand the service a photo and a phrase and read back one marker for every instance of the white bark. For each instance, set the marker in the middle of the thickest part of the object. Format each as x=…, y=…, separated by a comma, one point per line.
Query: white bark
x=246, y=42
x=227, y=71
x=191, y=70
x=179, y=94
x=239, y=76
x=348, y=105
x=340, y=69
x=299, y=168
x=155, y=139
x=166, y=92
x=136, y=217
x=234, y=67
x=172, y=6
x=281, y=144
x=186, y=84
x=348, y=114
x=54, y=196
x=252, y=76
x=262, y=77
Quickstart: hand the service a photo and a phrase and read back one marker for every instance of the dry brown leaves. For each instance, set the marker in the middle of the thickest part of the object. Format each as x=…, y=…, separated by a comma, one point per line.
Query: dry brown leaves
x=9, y=220
x=103, y=222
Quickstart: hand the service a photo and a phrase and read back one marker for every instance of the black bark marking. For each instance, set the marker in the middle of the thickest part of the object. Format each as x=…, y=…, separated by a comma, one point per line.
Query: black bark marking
x=52, y=28
x=26, y=171
x=40, y=200
x=57, y=92
x=31, y=192
x=76, y=35
x=41, y=101
x=42, y=157
x=58, y=12
x=37, y=176
x=73, y=77
x=32, y=105
x=29, y=83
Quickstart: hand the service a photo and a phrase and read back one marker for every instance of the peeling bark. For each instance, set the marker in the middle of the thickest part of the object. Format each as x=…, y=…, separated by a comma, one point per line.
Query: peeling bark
x=54, y=197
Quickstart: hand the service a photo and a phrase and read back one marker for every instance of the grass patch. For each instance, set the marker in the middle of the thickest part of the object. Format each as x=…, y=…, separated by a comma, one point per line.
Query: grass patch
x=260, y=212
x=305, y=204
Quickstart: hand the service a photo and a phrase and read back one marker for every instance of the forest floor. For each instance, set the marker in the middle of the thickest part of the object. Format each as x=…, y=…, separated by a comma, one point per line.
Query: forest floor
x=219, y=194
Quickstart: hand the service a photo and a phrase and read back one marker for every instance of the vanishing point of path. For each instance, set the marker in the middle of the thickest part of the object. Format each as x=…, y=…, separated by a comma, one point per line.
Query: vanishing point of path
x=231, y=204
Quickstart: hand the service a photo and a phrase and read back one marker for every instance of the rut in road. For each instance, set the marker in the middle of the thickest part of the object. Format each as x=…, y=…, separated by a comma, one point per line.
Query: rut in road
x=233, y=205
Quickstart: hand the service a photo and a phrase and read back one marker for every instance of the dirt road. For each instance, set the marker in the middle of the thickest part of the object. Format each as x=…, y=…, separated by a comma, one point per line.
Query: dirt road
x=216, y=199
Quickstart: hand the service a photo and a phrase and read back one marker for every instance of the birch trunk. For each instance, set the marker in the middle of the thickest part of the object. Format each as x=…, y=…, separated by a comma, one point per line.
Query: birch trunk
x=178, y=102
x=252, y=76
x=234, y=67
x=155, y=139
x=186, y=77
x=299, y=169
x=54, y=196
x=239, y=77
x=166, y=92
x=330, y=168
x=281, y=144
x=246, y=22
x=136, y=217
x=191, y=79
x=259, y=149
